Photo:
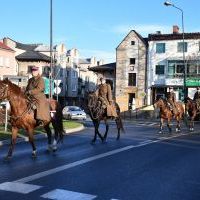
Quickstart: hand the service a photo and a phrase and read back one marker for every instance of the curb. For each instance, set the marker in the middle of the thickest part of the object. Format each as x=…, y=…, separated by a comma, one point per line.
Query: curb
x=42, y=135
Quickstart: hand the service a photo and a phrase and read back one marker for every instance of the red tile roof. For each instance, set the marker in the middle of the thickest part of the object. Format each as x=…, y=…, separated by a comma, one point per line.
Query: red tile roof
x=3, y=46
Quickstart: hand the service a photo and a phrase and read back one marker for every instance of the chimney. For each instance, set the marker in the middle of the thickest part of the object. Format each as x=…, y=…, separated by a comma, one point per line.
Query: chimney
x=175, y=29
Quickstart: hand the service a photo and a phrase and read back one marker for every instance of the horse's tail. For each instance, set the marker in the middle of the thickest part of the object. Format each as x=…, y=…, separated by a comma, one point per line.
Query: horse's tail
x=119, y=117
x=57, y=122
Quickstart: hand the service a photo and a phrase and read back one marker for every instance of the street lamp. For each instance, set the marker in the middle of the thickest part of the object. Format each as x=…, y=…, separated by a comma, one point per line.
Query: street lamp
x=51, y=49
x=167, y=3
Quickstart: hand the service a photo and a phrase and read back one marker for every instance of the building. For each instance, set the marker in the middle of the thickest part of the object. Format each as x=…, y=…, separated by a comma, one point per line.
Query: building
x=7, y=61
x=166, y=66
x=131, y=64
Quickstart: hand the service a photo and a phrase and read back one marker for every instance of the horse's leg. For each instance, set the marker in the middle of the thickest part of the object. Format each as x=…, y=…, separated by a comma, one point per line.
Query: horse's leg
x=55, y=141
x=169, y=125
x=96, y=132
x=178, y=127
x=107, y=128
x=31, y=140
x=49, y=137
x=13, y=141
x=117, y=120
x=161, y=125
x=192, y=123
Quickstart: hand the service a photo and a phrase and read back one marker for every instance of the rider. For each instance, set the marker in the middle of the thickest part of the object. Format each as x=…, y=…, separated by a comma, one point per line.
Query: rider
x=197, y=97
x=105, y=95
x=171, y=98
x=35, y=88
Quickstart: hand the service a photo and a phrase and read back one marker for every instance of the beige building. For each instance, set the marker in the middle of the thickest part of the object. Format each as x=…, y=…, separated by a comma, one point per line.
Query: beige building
x=131, y=63
x=7, y=61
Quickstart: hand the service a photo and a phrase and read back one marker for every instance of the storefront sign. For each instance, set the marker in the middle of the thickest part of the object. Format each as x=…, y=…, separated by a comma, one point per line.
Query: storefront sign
x=174, y=81
x=193, y=82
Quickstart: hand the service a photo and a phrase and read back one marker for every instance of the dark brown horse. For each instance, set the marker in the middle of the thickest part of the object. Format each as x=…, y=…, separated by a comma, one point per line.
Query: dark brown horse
x=22, y=117
x=192, y=111
x=98, y=113
x=167, y=114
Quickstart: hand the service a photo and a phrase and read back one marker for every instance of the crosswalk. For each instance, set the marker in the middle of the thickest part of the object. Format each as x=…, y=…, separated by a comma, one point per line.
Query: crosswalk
x=56, y=194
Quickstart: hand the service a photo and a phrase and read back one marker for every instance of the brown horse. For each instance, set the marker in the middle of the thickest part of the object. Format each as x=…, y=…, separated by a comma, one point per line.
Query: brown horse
x=192, y=111
x=22, y=116
x=167, y=114
x=98, y=113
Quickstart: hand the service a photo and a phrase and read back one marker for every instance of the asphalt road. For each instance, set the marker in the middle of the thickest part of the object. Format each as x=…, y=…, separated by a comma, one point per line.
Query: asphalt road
x=142, y=165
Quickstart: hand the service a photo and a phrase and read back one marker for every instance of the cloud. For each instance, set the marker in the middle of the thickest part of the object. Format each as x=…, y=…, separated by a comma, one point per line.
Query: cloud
x=107, y=56
x=143, y=29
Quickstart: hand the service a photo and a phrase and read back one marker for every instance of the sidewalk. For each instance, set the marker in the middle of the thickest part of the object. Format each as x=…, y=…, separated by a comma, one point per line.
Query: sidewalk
x=41, y=136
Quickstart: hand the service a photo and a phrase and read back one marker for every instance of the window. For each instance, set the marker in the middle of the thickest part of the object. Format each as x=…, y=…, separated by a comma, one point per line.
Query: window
x=132, y=42
x=74, y=74
x=61, y=72
x=132, y=79
x=74, y=87
x=180, y=47
x=160, y=48
x=176, y=68
x=132, y=61
x=160, y=69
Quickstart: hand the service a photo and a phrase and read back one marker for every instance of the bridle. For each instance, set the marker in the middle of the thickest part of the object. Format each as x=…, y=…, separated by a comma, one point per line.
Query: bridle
x=4, y=96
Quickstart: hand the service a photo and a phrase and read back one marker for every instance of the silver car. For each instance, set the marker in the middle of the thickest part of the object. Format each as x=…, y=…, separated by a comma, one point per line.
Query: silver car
x=73, y=112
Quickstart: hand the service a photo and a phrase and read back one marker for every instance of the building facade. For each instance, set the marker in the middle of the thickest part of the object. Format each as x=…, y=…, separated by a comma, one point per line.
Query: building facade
x=131, y=62
x=7, y=61
x=166, y=66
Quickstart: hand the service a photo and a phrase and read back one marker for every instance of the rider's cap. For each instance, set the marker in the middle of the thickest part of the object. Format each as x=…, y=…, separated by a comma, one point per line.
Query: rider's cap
x=34, y=68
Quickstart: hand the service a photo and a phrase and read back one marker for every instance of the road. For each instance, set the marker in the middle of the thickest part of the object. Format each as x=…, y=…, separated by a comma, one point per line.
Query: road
x=142, y=165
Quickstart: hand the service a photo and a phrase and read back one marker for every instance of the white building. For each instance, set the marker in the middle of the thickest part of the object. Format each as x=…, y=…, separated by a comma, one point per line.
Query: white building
x=166, y=66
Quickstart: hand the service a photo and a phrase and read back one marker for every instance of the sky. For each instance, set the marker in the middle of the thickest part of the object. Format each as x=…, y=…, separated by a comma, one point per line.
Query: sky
x=94, y=27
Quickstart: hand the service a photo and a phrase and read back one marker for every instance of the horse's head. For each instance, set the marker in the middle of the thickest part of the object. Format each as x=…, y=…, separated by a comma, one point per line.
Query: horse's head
x=4, y=89
x=8, y=89
x=159, y=103
x=92, y=98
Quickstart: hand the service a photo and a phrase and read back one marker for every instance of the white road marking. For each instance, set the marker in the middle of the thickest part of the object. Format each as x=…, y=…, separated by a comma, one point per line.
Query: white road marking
x=22, y=188
x=67, y=195
x=90, y=159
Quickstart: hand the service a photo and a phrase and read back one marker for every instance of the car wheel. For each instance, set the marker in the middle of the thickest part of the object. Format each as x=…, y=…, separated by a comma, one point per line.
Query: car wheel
x=69, y=117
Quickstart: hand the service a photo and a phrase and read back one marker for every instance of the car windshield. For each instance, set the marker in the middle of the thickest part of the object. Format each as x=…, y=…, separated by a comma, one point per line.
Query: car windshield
x=75, y=109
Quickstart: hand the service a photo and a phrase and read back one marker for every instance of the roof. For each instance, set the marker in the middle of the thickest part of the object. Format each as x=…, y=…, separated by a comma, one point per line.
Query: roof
x=33, y=56
x=176, y=36
x=85, y=61
x=3, y=46
x=43, y=48
x=105, y=67
x=144, y=40
x=27, y=47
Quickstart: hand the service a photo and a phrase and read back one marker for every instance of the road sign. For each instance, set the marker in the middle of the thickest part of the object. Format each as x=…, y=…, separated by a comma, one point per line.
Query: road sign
x=57, y=82
x=57, y=90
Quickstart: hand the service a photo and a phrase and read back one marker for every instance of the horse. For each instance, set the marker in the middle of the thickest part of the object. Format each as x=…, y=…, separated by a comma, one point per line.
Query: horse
x=167, y=114
x=192, y=111
x=98, y=112
x=22, y=117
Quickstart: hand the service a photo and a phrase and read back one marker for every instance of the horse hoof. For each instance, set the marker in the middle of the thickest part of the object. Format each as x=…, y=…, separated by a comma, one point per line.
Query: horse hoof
x=160, y=132
x=92, y=142
x=34, y=154
x=54, y=149
x=118, y=138
x=7, y=158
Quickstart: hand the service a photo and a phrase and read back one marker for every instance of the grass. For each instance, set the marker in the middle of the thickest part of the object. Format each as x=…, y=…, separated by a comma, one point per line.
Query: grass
x=6, y=134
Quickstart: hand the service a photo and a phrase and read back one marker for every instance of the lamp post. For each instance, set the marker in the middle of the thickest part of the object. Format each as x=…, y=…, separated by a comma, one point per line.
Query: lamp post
x=51, y=49
x=167, y=3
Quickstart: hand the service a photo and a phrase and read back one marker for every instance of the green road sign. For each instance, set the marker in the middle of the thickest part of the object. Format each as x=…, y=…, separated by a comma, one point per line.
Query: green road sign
x=47, y=86
x=193, y=82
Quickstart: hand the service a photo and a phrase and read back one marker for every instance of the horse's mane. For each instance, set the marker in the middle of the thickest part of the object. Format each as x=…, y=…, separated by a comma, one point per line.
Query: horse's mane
x=164, y=101
x=16, y=89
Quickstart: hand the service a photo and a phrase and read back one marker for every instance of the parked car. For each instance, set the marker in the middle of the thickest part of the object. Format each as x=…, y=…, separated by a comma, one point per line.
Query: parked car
x=73, y=112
